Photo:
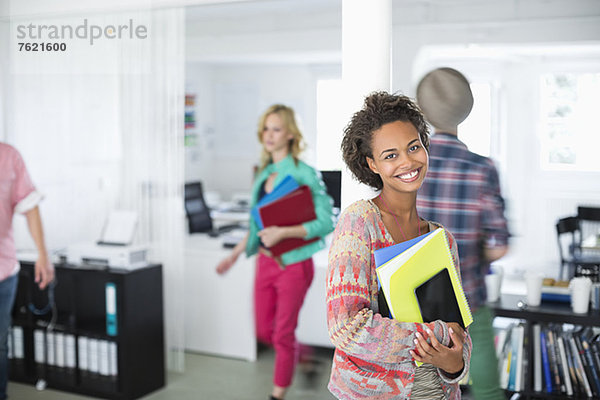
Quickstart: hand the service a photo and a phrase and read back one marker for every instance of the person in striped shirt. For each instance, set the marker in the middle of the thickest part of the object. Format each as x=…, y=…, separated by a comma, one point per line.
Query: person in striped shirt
x=462, y=192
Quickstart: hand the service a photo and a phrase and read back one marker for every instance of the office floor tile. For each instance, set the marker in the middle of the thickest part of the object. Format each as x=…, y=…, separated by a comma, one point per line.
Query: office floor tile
x=209, y=377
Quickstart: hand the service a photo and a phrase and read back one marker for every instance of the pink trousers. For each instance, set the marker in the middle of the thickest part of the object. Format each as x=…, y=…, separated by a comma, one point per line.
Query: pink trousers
x=278, y=297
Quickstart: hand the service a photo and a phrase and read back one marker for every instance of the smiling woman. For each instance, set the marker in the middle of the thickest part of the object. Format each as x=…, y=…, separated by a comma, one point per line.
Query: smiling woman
x=385, y=146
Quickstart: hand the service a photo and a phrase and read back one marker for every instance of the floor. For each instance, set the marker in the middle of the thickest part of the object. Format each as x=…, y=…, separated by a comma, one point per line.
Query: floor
x=209, y=377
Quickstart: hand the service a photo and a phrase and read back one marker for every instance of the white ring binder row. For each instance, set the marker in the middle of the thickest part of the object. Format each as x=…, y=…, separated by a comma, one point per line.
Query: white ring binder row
x=64, y=353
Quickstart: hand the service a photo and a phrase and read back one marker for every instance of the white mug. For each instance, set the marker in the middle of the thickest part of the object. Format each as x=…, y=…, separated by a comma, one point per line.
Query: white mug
x=492, y=286
x=534, y=280
x=580, y=289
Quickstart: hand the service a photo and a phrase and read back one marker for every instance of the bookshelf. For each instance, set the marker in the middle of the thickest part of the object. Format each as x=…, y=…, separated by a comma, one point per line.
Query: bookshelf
x=547, y=312
x=91, y=352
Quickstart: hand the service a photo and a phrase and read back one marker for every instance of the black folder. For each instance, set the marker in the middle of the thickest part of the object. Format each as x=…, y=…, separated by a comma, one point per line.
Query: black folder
x=437, y=300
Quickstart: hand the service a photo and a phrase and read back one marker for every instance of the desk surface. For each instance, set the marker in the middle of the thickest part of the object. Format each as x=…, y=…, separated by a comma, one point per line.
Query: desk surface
x=507, y=306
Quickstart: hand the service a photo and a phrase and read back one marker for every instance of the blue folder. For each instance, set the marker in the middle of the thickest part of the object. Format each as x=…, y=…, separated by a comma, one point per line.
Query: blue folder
x=286, y=186
x=385, y=254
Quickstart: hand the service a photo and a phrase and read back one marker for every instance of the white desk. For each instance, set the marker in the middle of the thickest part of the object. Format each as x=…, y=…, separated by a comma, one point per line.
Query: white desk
x=219, y=313
x=219, y=309
x=312, y=322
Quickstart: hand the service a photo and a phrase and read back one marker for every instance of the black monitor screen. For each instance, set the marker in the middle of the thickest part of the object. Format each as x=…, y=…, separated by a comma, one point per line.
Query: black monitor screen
x=333, y=182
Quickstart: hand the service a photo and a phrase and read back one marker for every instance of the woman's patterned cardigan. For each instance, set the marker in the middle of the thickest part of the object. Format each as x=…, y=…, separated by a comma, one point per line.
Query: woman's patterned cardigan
x=372, y=358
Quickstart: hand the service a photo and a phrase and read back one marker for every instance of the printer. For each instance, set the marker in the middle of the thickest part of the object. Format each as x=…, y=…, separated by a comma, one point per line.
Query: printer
x=114, y=249
x=107, y=256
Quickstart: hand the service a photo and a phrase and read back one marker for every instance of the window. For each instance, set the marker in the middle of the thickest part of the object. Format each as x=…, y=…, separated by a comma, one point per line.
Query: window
x=568, y=105
x=329, y=124
x=476, y=130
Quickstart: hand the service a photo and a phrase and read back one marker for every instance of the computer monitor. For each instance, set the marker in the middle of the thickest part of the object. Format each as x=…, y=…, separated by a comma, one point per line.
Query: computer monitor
x=197, y=212
x=333, y=183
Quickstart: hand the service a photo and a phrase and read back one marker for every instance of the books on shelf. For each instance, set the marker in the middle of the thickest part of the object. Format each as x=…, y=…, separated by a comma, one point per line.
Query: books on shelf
x=420, y=282
x=512, y=357
x=564, y=358
x=565, y=361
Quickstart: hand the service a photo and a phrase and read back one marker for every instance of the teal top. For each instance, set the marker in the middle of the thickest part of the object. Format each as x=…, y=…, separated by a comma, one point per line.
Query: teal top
x=319, y=227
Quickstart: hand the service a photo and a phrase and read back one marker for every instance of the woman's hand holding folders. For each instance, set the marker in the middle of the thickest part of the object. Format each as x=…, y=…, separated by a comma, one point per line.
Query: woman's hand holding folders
x=448, y=358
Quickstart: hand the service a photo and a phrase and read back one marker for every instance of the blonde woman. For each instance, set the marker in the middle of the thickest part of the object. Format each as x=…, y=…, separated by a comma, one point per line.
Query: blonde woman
x=282, y=282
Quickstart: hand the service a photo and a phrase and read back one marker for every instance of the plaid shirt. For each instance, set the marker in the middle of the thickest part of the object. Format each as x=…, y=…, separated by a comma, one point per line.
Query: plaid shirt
x=462, y=192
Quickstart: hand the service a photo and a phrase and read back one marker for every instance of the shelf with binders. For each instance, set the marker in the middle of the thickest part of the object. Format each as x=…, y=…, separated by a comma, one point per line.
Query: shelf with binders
x=98, y=332
x=552, y=351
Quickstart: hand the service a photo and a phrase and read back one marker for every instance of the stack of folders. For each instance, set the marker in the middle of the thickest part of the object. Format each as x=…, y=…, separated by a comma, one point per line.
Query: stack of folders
x=98, y=363
x=16, y=352
x=54, y=355
x=287, y=205
x=286, y=186
x=420, y=282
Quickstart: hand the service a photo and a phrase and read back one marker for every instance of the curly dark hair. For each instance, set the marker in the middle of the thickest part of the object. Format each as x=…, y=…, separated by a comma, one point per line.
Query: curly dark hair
x=380, y=108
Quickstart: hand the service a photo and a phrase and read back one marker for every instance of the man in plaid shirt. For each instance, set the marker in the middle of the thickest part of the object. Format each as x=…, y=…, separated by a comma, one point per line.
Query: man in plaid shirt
x=462, y=192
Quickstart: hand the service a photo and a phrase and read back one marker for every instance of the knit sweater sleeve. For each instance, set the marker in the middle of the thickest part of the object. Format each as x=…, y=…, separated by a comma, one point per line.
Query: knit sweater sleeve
x=355, y=325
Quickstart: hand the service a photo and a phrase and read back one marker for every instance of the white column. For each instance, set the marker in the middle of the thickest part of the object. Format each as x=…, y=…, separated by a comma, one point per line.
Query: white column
x=366, y=56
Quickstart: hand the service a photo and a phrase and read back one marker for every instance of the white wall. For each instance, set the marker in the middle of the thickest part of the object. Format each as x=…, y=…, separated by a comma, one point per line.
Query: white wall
x=230, y=99
x=66, y=128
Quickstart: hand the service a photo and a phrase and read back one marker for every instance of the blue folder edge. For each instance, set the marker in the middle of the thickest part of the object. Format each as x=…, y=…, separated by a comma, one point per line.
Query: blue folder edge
x=385, y=254
x=286, y=186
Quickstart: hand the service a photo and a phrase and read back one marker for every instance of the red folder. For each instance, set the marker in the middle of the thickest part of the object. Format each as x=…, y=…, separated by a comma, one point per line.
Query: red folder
x=294, y=208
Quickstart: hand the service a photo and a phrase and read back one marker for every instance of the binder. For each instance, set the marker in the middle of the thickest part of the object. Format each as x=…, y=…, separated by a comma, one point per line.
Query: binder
x=111, y=309
x=103, y=361
x=18, y=351
x=70, y=352
x=286, y=186
x=93, y=360
x=113, y=366
x=59, y=344
x=39, y=352
x=294, y=208
x=405, y=278
x=82, y=354
x=50, y=356
x=70, y=359
x=113, y=360
x=10, y=353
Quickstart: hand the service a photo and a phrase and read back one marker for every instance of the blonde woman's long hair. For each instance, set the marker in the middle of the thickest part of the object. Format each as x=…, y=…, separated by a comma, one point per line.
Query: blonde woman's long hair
x=295, y=145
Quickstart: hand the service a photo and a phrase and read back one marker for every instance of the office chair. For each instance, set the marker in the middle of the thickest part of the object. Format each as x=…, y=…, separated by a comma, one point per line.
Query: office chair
x=197, y=212
x=570, y=252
